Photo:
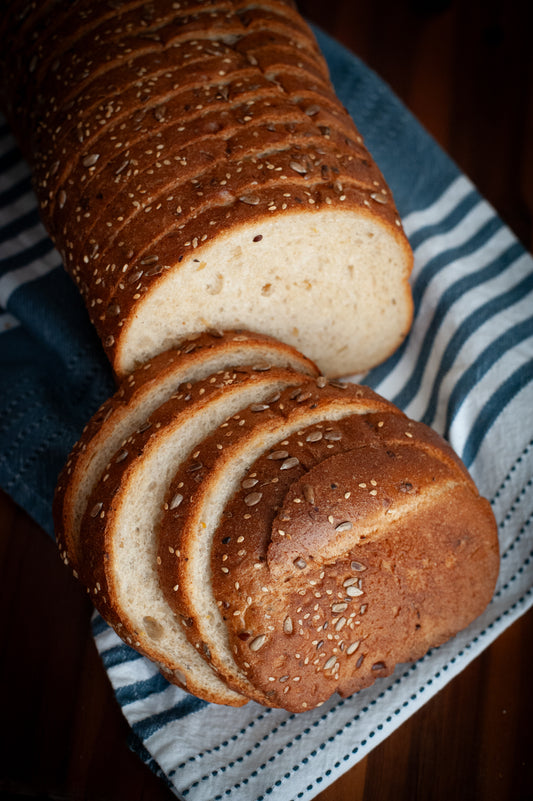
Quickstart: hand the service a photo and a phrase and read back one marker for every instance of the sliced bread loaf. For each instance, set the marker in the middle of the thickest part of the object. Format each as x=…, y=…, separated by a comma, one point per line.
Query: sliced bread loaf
x=137, y=397
x=118, y=546
x=160, y=207
x=376, y=548
x=193, y=511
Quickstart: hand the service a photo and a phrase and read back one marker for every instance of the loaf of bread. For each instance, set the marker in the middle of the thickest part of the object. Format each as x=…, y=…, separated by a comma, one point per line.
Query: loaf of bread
x=261, y=532
x=256, y=529
x=196, y=170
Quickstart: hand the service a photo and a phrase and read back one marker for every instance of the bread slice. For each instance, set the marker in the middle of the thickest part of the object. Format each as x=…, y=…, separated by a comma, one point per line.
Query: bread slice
x=188, y=527
x=139, y=395
x=118, y=548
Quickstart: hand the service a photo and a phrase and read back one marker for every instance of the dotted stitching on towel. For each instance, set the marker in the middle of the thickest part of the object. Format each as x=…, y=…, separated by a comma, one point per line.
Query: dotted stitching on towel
x=513, y=468
x=276, y=729
x=413, y=697
x=518, y=537
x=365, y=709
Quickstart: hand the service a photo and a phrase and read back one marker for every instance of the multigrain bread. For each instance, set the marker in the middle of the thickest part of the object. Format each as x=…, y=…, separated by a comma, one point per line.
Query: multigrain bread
x=188, y=528
x=365, y=561
x=308, y=550
x=255, y=530
x=141, y=393
x=196, y=170
x=119, y=545
x=268, y=534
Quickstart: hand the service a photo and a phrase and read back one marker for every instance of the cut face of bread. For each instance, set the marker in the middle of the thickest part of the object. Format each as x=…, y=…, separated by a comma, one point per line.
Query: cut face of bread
x=188, y=528
x=144, y=391
x=119, y=545
x=278, y=275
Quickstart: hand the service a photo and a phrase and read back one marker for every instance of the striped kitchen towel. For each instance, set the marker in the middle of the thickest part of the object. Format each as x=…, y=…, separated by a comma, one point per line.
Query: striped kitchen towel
x=466, y=369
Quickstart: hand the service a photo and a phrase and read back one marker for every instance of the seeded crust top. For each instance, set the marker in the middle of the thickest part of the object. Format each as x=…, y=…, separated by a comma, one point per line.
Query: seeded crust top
x=154, y=130
x=134, y=397
x=119, y=565
x=189, y=499
x=325, y=580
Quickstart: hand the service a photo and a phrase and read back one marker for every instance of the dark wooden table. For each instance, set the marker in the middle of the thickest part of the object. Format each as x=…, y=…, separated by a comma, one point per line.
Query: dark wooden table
x=465, y=70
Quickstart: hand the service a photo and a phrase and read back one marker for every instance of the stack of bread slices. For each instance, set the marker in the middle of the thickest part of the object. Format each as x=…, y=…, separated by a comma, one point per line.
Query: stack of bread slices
x=262, y=532
x=257, y=529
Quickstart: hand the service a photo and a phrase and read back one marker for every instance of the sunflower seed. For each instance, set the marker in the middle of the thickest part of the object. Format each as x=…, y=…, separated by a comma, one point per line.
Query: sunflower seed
x=309, y=494
x=378, y=198
x=288, y=627
x=353, y=647
x=298, y=167
x=330, y=663
x=258, y=642
x=90, y=161
x=314, y=436
x=275, y=455
x=336, y=608
x=259, y=407
x=176, y=500
x=346, y=526
x=353, y=592
x=149, y=260
x=250, y=200
x=253, y=498
x=300, y=563
x=97, y=508
x=292, y=461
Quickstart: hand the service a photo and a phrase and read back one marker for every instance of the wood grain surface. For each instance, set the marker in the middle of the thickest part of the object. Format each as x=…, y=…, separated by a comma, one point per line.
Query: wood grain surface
x=465, y=70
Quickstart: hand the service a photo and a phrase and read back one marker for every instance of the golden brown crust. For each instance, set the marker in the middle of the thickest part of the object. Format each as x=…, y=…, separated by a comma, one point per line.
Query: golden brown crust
x=135, y=393
x=105, y=535
x=116, y=93
x=374, y=564
x=190, y=497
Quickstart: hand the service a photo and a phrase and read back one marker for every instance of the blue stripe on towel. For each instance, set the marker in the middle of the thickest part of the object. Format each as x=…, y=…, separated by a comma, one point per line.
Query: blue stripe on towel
x=505, y=393
x=469, y=325
x=494, y=351
x=141, y=689
x=148, y=726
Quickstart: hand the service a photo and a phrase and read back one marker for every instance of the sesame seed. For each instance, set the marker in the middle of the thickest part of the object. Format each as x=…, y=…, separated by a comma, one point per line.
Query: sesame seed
x=287, y=464
x=345, y=526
